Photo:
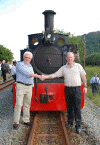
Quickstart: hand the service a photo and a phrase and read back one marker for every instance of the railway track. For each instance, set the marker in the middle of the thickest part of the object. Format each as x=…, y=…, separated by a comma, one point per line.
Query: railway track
x=48, y=129
x=6, y=83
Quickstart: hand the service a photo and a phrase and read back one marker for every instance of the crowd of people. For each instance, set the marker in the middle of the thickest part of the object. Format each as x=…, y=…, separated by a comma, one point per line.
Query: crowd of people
x=24, y=75
x=7, y=68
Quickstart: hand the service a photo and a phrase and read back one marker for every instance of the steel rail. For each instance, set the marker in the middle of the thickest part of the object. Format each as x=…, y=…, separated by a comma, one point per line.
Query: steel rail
x=6, y=84
x=34, y=133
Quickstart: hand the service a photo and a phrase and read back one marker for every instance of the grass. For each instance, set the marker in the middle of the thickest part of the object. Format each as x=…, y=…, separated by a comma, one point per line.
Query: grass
x=7, y=75
x=90, y=70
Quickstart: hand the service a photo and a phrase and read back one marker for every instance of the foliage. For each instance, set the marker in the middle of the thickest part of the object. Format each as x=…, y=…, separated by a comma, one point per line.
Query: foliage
x=5, y=54
x=93, y=59
x=74, y=40
x=80, y=45
x=92, y=41
x=62, y=32
x=94, y=99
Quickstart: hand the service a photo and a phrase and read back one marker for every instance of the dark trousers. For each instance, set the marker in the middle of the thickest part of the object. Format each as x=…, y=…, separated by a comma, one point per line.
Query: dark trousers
x=73, y=100
x=94, y=88
x=4, y=75
x=14, y=76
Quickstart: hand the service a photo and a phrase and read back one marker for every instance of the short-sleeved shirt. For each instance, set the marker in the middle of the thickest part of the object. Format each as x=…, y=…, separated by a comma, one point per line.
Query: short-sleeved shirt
x=22, y=73
x=13, y=70
x=72, y=75
x=94, y=80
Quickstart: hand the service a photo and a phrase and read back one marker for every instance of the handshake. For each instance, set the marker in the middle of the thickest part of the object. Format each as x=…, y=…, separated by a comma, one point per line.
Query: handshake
x=42, y=77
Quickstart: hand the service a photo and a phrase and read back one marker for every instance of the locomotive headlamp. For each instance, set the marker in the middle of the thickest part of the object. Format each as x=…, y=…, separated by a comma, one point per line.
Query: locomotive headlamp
x=48, y=36
x=36, y=43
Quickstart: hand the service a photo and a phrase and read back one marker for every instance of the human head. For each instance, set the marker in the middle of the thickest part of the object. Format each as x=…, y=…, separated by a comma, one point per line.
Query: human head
x=27, y=56
x=3, y=61
x=70, y=57
x=95, y=74
x=14, y=62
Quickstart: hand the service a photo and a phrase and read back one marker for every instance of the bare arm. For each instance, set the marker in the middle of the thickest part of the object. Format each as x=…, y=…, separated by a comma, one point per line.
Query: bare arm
x=85, y=83
x=52, y=76
x=35, y=75
x=42, y=77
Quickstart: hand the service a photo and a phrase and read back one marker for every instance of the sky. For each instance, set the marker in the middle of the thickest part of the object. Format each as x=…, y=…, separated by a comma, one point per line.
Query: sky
x=19, y=18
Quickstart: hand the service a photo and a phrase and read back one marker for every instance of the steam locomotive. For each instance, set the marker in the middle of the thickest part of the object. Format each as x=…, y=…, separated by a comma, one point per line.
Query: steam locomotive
x=49, y=50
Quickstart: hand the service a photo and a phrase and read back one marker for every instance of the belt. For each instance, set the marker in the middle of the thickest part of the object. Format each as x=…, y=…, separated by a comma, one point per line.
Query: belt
x=24, y=84
x=72, y=86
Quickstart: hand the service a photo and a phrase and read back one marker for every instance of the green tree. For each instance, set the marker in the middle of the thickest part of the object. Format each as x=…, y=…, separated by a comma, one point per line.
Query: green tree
x=80, y=44
x=5, y=54
x=74, y=40
x=93, y=59
x=92, y=42
x=62, y=32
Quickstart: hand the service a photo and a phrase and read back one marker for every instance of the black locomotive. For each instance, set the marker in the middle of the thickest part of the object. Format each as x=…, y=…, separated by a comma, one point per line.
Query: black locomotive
x=49, y=50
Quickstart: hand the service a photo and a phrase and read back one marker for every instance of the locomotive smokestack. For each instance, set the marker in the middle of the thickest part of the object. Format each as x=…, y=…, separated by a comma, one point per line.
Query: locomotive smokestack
x=49, y=24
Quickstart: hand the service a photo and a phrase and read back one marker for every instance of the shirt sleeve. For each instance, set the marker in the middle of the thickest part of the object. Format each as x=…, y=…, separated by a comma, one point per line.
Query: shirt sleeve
x=13, y=70
x=97, y=80
x=23, y=70
x=59, y=73
x=82, y=71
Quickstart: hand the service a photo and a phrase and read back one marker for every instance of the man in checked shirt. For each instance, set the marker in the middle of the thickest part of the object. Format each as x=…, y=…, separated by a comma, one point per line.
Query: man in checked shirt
x=24, y=82
x=72, y=73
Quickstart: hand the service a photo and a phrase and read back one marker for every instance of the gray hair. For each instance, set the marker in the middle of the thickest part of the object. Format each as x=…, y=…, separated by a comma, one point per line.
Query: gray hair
x=95, y=74
x=70, y=53
x=27, y=52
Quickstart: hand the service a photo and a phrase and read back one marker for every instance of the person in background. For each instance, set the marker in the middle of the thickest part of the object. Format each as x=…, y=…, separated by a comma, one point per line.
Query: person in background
x=24, y=82
x=0, y=70
x=4, y=70
x=13, y=72
x=94, y=81
x=72, y=73
x=10, y=66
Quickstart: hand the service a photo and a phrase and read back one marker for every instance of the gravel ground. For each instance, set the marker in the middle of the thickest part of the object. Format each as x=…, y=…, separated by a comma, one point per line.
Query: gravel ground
x=6, y=114
x=90, y=121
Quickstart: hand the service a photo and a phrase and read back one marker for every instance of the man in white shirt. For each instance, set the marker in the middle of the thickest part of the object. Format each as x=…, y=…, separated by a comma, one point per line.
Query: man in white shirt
x=72, y=73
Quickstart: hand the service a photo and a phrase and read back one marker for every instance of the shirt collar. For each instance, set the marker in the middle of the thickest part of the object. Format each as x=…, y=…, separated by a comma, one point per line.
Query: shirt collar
x=72, y=66
x=26, y=64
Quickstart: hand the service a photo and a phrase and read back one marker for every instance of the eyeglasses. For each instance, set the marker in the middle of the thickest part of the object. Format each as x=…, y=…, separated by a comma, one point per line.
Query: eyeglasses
x=28, y=57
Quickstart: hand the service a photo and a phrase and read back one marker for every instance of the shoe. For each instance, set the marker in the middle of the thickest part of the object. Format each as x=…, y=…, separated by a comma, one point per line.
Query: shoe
x=78, y=129
x=15, y=126
x=27, y=123
x=68, y=125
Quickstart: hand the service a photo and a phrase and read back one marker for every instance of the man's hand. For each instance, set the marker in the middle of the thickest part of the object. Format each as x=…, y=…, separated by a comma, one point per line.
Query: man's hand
x=85, y=90
x=42, y=77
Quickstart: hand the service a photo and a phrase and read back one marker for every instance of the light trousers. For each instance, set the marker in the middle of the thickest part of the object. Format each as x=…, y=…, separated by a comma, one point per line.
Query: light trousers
x=23, y=98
